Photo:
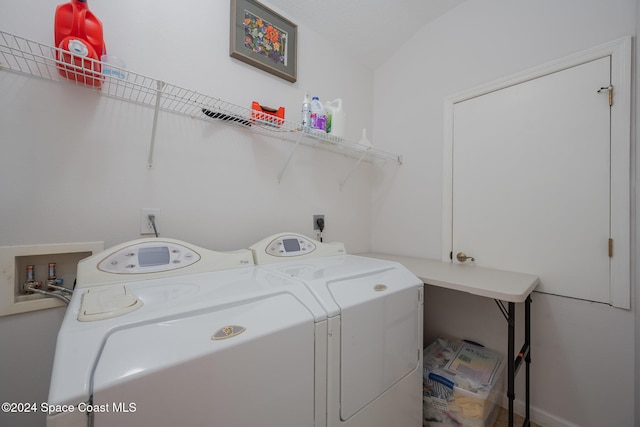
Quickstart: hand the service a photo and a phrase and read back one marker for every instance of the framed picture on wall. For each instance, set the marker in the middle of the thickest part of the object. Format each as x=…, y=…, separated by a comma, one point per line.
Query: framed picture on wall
x=263, y=38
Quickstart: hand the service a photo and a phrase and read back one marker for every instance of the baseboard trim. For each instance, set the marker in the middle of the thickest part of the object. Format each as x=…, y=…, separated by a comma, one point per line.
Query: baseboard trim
x=538, y=416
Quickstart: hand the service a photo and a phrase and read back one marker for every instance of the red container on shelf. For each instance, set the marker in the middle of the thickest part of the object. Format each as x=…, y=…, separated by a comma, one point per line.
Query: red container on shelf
x=79, y=32
x=264, y=115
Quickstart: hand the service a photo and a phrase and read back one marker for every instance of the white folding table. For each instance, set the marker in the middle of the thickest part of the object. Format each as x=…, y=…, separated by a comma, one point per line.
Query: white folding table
x=501, y=286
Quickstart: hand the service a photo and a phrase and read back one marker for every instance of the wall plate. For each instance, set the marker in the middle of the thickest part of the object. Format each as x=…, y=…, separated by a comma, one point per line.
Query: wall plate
x=13, y=263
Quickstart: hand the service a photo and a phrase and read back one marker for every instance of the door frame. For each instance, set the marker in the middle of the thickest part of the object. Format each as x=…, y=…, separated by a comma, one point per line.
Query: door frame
x=620, y=52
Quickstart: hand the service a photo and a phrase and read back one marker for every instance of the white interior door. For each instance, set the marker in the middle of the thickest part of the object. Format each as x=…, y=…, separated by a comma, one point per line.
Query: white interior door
x=531, y=180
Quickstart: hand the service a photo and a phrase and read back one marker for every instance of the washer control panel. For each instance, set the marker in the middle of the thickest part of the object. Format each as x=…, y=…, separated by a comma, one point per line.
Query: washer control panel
x=290, y=245
x=149, y=257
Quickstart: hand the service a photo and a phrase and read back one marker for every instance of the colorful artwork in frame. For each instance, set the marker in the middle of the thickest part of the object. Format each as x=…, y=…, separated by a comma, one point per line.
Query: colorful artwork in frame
x=263, y=38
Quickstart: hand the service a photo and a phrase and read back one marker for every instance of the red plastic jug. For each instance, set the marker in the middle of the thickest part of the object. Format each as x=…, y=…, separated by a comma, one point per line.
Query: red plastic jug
x=78, y=31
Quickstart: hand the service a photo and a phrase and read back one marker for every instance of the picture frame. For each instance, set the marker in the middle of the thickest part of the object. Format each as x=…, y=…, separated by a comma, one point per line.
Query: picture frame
x=264, y=39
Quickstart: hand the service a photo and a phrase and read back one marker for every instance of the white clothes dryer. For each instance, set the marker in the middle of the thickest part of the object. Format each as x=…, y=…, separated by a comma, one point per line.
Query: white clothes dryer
x=374, y=336
x=163, y=333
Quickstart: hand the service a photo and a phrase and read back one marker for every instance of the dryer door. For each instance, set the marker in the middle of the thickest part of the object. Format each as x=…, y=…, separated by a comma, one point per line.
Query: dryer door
x=380, y=334
x=246, y=364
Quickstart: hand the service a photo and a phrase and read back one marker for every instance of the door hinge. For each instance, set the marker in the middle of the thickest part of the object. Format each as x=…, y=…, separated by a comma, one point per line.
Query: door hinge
x=610, y=248
x=609, y=89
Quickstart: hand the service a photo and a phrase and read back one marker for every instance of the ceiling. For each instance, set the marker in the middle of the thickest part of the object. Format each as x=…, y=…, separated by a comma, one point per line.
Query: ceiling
x=368, y=29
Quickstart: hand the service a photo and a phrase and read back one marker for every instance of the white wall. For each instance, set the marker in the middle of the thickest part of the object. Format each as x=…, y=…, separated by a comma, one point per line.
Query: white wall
x=91, y=152
x=73, y=167
x=73, y=163
x=583, y=363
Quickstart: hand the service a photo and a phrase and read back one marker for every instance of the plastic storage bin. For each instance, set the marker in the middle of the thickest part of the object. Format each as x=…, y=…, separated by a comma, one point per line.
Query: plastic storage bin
x=462, y=384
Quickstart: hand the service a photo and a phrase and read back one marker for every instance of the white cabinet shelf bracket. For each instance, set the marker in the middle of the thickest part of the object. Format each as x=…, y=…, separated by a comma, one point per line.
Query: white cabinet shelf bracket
x=160, y=85
x=286, y=165
x=353, y=169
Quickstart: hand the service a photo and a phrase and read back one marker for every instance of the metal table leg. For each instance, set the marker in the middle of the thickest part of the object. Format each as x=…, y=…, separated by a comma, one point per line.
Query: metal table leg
x=527, y=338
x=511, y=394
x=514, y=362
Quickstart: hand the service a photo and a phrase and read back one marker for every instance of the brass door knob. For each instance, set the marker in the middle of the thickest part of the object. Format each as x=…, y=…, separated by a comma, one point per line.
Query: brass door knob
x=462, y=257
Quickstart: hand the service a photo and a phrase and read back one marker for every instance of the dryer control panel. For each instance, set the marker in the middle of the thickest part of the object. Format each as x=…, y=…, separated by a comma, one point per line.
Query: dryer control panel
x=149, y=257
x=290, y=246
x=280, y=247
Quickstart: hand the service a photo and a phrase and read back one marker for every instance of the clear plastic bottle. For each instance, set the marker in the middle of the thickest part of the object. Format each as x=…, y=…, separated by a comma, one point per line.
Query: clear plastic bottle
x=318, y=115
x=306, y=112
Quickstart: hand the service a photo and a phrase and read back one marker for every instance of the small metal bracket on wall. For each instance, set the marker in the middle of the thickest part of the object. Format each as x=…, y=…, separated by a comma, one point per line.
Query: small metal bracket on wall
x=160, y=85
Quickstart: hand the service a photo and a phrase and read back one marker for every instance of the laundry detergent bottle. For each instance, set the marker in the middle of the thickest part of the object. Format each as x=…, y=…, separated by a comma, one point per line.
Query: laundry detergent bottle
x=318, y=115
x=78, y=31
x=335, y=118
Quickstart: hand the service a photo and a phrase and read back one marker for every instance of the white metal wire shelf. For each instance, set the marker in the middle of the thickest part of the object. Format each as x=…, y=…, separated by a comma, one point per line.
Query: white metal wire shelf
x=38, y=60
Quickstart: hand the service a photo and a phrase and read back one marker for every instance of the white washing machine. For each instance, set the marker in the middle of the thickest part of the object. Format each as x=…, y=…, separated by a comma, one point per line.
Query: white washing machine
x=374, y=335
x=163, y=333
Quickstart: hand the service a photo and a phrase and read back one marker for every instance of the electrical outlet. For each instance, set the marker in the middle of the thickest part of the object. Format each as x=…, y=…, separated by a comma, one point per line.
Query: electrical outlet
x=315, y=221
x=146, y=227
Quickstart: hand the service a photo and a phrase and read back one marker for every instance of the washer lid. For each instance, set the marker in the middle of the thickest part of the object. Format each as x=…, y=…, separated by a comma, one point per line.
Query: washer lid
x=227, y=382
x=175, y=297
x=154, y=346
x=107, y=302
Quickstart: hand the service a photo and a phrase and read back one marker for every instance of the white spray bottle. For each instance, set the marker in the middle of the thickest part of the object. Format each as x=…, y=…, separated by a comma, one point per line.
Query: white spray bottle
x=306, y=112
